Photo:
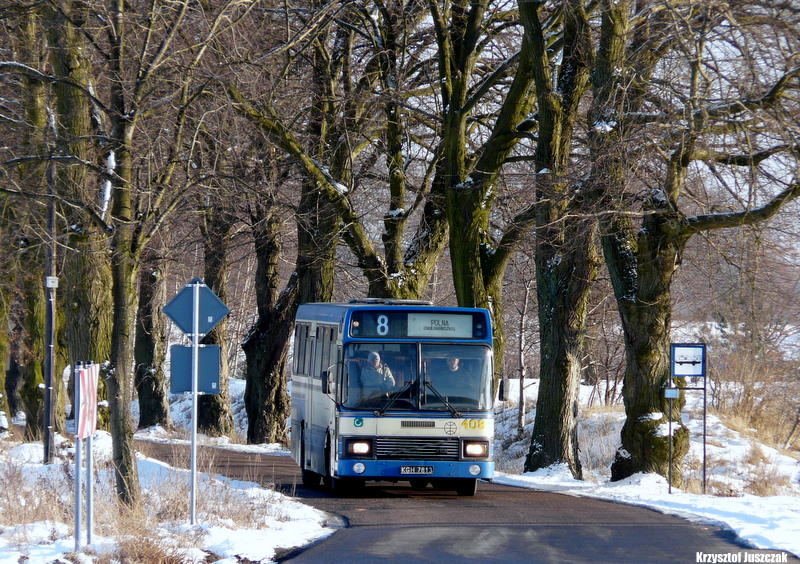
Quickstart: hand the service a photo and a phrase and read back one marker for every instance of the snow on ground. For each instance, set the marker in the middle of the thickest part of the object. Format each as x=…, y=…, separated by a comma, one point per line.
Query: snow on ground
x=762, y=522
x=734, y=462
x=286, y=524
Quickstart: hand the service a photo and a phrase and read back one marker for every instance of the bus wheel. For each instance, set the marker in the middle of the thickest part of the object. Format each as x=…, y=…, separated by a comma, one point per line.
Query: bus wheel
x=466, y=486
x=310, y=479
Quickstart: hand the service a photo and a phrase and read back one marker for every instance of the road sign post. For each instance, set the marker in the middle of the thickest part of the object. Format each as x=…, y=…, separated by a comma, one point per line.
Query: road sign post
x=195, y=368
x=196, y=310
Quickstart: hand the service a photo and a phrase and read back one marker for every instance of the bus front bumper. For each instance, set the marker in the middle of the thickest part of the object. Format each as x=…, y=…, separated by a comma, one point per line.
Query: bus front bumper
x=414, y=469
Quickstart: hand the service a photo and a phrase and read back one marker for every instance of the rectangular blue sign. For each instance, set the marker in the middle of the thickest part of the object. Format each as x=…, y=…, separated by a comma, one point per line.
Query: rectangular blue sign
x=181, y=369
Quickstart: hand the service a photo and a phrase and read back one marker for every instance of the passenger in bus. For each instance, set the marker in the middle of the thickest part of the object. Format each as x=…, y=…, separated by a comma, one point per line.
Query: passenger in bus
x=376, y=377
x=453, y=364
x=455, y=380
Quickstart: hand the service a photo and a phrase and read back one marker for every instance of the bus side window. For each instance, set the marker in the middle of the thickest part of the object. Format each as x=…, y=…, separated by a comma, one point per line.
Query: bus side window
x=308, y=347
x=320, y=353
x=302, y=350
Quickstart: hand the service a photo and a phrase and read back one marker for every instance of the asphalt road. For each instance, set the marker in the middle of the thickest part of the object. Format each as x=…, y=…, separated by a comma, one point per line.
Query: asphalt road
x=393, y=522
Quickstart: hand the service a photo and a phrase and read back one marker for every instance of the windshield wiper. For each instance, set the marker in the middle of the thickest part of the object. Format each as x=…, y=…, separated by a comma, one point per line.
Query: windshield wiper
x=381, y=412
x=443, y=399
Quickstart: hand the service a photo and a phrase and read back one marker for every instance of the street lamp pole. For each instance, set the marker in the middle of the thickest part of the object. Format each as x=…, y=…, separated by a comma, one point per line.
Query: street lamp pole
x=51, y=283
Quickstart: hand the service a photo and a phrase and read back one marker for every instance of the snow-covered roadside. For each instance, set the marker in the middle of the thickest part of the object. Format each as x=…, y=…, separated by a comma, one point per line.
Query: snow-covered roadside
x=761, y=522
x=286, y=524
x=733, y=461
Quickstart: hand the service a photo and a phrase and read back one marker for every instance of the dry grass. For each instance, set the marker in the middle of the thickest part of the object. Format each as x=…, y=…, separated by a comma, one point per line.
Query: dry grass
x=23, y=502
x=693, y=477
x=755, y=393
x=135, y=549
x=603, y=435
x=615, y=408
x=736, y=422
x=754, y=474
x=765, y=481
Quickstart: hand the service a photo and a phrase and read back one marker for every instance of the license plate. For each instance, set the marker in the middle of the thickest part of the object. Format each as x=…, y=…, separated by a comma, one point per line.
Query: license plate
x=416, y=470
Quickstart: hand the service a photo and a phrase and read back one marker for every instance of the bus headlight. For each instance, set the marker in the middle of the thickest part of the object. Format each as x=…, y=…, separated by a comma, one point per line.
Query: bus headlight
x=358, y=447
x=476, y=449
x=474, y=470
x=359, y=468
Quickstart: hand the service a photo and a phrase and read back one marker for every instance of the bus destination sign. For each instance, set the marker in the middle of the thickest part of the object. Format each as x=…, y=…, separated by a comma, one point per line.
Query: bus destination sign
x=396, y=323
x=439, y=325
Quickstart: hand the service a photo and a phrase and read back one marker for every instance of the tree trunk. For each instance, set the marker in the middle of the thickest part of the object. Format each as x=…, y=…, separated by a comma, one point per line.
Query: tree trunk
x=266, y=347
x=640, y=267
x=125, y=257
x=641, y=282
x=14, y=377
x=566, y=265
x=214, y=412
x=566, y=261
x=120, y=377
x=5, y=354
x=266, y=395
x=521, y=361
x=152, y=385
x=31, y=261
x=32, y=392
x=85, y=280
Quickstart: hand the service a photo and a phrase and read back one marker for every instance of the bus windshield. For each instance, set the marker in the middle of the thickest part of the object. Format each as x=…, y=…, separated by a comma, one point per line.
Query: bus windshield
x=417, y=376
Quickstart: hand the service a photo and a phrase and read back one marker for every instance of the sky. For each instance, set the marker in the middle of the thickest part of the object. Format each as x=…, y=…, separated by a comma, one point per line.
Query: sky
x=762, y=522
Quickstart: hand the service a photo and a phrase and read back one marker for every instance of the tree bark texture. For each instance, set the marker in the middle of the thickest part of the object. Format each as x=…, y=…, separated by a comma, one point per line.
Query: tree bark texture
x=119, y=379
x=566, y=256
x=86, y=278
x=5, y=354
x=32, y=391
x=125, y=263
x=152, y=384
x=566, y=266
x=641, y=272
x=267, y=345
x=215, y=415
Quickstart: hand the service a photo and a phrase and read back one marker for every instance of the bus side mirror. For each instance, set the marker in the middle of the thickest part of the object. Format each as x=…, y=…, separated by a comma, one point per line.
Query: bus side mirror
x=503, y=391
x=327, y=384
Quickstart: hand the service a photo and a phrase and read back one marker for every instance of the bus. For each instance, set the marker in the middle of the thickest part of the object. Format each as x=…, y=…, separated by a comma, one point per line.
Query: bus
x=392, y=390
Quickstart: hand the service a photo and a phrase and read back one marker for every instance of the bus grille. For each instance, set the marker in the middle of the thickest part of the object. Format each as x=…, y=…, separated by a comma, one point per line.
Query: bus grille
x=424, y=448
x=418, y=424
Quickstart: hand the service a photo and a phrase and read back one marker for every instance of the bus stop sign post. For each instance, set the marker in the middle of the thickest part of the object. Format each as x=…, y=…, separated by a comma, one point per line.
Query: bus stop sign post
x=196, y=310
x=687, y=360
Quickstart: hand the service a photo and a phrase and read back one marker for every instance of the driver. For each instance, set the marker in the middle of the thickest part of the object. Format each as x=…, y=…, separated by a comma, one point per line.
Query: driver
x=376, y=377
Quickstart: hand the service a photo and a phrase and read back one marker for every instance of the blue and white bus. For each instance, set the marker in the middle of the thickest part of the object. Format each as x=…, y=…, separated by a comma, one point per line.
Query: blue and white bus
x=392, y=390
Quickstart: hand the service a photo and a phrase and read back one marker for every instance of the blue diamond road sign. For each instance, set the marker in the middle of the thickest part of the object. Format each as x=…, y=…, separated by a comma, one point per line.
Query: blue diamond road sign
x=180, y=309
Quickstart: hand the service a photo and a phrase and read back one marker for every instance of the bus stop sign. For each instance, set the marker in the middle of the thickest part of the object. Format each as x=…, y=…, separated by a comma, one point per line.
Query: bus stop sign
x=688, y=360
x=181, y=311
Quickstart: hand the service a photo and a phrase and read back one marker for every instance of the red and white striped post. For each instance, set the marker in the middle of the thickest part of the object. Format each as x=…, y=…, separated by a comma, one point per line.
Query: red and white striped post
x=86, y=379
